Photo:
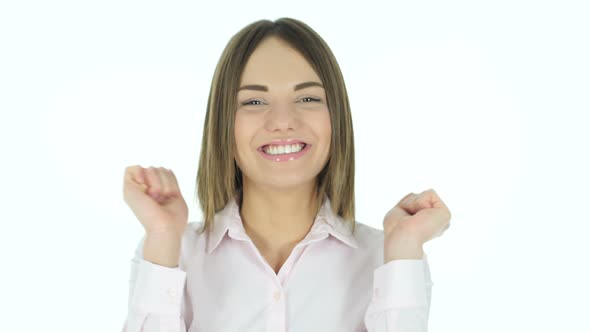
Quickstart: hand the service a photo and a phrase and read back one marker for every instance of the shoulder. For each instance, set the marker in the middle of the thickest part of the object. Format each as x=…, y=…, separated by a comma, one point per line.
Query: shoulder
x=368, y=236
x=193, y=226
x=370, y=245
x=194, y=243
x=193, y=232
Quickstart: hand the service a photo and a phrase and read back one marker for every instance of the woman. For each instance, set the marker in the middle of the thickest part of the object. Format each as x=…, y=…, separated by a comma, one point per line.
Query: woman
x=276, y=174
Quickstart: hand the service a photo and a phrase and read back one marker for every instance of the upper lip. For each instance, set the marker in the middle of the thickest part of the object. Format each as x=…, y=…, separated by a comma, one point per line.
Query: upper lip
x=283, y=141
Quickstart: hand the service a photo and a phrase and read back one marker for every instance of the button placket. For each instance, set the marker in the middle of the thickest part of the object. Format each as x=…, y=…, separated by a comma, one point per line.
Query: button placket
x=276, y=295
x=172, y=295
x=276, y=320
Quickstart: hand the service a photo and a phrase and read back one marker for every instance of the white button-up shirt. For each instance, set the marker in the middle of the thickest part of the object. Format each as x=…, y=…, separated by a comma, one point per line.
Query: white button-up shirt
x=333, y=280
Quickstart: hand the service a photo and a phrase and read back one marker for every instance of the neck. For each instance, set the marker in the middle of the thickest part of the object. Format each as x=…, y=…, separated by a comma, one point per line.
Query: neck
x=276, y=219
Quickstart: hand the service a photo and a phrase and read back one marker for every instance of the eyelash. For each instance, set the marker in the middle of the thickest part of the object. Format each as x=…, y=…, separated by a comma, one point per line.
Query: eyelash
x=247, y=102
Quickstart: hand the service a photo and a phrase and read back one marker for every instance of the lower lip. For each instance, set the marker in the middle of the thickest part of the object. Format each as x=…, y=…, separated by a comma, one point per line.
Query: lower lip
x=286, y=156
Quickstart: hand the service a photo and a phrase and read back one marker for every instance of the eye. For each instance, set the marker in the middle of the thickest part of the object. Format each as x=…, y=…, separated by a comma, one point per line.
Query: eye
x=249, y=102
x=310, y=98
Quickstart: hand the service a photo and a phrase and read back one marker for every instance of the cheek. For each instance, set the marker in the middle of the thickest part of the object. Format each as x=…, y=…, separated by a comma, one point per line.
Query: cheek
x=324, y=128
x=243, y=132
x=239, y=137
x=240, y=129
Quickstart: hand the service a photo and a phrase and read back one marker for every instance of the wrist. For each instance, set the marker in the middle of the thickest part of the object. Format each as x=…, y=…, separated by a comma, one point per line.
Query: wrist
x=162, y=249
x=402, y=248
x=168, y=232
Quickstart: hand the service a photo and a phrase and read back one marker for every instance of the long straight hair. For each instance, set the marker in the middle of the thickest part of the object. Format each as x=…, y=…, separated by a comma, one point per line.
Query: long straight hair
x=219, y=178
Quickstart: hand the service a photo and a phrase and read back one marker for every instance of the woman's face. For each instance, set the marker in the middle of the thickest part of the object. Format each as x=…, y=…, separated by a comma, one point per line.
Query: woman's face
x=282, y=124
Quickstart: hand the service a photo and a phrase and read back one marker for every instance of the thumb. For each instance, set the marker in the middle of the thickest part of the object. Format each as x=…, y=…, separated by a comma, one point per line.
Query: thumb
x=394, y=216
x=397, y=213
x=134, y=189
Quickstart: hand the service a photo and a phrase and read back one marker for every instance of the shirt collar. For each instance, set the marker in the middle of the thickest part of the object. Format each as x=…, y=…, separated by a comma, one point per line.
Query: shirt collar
x=326, y=222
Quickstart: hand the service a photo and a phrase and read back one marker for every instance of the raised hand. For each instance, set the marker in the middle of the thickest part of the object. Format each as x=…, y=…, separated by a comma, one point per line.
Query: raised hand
x=154, y=197
x=414, y=220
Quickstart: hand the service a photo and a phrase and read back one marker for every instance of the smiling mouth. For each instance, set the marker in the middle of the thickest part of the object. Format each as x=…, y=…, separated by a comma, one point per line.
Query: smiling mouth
x=276, y=150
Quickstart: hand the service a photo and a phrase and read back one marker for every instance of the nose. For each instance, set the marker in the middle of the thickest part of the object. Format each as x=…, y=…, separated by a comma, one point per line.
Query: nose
x=282, y=117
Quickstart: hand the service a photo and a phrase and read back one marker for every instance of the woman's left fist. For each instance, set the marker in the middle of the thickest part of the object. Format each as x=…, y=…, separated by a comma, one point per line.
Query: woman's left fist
x=416, y=219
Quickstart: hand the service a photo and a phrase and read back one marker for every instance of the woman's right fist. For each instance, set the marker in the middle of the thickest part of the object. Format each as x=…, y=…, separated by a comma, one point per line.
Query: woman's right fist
x=154, y=197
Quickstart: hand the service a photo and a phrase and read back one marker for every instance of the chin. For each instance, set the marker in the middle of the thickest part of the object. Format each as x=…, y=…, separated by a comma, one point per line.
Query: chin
x=282, y=182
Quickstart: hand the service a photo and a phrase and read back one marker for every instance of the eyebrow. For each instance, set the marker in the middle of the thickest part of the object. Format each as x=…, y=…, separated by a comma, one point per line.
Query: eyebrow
x=299, y=86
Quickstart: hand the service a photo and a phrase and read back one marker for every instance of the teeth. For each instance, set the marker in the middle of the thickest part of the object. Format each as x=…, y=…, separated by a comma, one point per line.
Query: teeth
x=283, y=149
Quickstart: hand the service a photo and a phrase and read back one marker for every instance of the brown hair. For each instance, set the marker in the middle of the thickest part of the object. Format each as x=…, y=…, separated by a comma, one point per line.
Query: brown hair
x=219, y=179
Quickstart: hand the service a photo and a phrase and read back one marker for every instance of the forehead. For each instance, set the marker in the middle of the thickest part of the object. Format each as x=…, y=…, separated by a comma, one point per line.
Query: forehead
x=274, y=60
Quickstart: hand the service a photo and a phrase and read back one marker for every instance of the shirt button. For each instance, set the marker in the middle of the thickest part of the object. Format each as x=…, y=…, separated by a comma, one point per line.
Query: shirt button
x=277, y=295
x=172, y=292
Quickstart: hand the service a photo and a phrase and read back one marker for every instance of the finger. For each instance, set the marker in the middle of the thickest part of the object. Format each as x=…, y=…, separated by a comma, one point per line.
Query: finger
x=166, y=181
x=397, y=213
x=426, y=199
x=437, y=202
x=134, y=174
x=174, y=180
x=434, y=198
x=154, y=183
x=393, y=217
x=175, y=190
x=404, y=201
x=136, y=184
x=408, y=196
x=415, y=203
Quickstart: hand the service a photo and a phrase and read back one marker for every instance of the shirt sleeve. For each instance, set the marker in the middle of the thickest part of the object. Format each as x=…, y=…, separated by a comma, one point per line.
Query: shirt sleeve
x=156, y=293
x=401, y=297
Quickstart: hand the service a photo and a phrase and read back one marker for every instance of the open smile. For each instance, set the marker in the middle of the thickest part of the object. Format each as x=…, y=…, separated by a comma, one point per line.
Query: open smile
x=284, y=152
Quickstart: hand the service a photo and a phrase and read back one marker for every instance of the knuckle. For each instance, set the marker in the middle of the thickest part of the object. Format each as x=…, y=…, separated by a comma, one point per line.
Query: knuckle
x=130, y=168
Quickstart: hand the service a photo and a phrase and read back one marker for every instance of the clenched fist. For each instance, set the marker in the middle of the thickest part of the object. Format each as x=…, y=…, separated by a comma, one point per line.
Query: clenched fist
x=154, y=197
x=416, y=219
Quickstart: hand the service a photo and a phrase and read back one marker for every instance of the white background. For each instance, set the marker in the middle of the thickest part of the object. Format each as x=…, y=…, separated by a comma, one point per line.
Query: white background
x=487, y=103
